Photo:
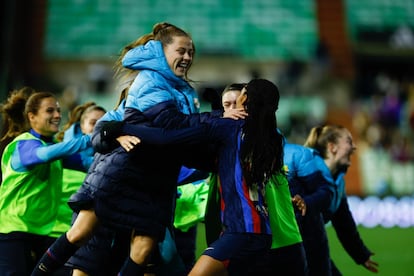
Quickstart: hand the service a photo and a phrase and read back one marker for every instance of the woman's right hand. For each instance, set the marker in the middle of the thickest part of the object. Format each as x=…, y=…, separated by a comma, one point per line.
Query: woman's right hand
x=128, y=142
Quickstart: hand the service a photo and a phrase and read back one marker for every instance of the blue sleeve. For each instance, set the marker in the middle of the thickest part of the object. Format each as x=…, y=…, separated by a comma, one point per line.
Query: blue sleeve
x=79, y=161
x=216, y=130
x=147, y=96
x=72, y=132
x=320, y=198
x=33, y=152
x=164, y=115
x=167, y=115
x=318, y=191
x=160, y=136
x=348, y=234
x=98, y=143
x=305, y=178
x=188, y=175
x=203, y=137
x=114, y=115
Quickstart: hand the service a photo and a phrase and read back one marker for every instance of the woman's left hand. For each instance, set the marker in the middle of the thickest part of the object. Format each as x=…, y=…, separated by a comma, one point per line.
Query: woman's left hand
x=235, y=114
x=299, y=203
x=371, y=265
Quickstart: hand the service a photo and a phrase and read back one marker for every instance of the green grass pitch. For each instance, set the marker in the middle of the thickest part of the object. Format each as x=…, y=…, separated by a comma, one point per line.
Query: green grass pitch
x=393, y=248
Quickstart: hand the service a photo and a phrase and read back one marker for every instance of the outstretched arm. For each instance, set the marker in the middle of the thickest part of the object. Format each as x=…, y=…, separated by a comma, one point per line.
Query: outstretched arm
x=160, y=136
x=348, y=235
x=164, y=115
x=33, y=152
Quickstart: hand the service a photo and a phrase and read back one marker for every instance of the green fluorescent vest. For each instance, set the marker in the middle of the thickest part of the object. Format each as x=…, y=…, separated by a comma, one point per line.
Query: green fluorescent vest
x=72, y=180
x=285, y=230
x=29, y=200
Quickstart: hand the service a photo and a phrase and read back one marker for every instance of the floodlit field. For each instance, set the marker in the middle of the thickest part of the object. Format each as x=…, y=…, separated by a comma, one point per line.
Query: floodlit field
x=393, y=248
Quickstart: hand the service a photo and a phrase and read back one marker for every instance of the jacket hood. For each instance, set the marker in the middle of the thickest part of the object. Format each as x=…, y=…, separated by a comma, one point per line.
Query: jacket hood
x=150, y=56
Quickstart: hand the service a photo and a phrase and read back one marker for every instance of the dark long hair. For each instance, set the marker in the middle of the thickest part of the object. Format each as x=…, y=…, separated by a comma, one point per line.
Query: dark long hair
x=13, y=116
x=262, y=148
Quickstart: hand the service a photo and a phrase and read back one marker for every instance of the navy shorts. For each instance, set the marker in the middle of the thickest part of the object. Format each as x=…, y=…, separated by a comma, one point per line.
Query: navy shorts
x=287, y=260
x=107, y=250
x=238, y=251
x=17, y=250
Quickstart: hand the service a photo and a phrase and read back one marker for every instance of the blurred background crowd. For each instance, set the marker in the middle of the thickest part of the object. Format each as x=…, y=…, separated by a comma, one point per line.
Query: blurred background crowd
x=348, y=62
